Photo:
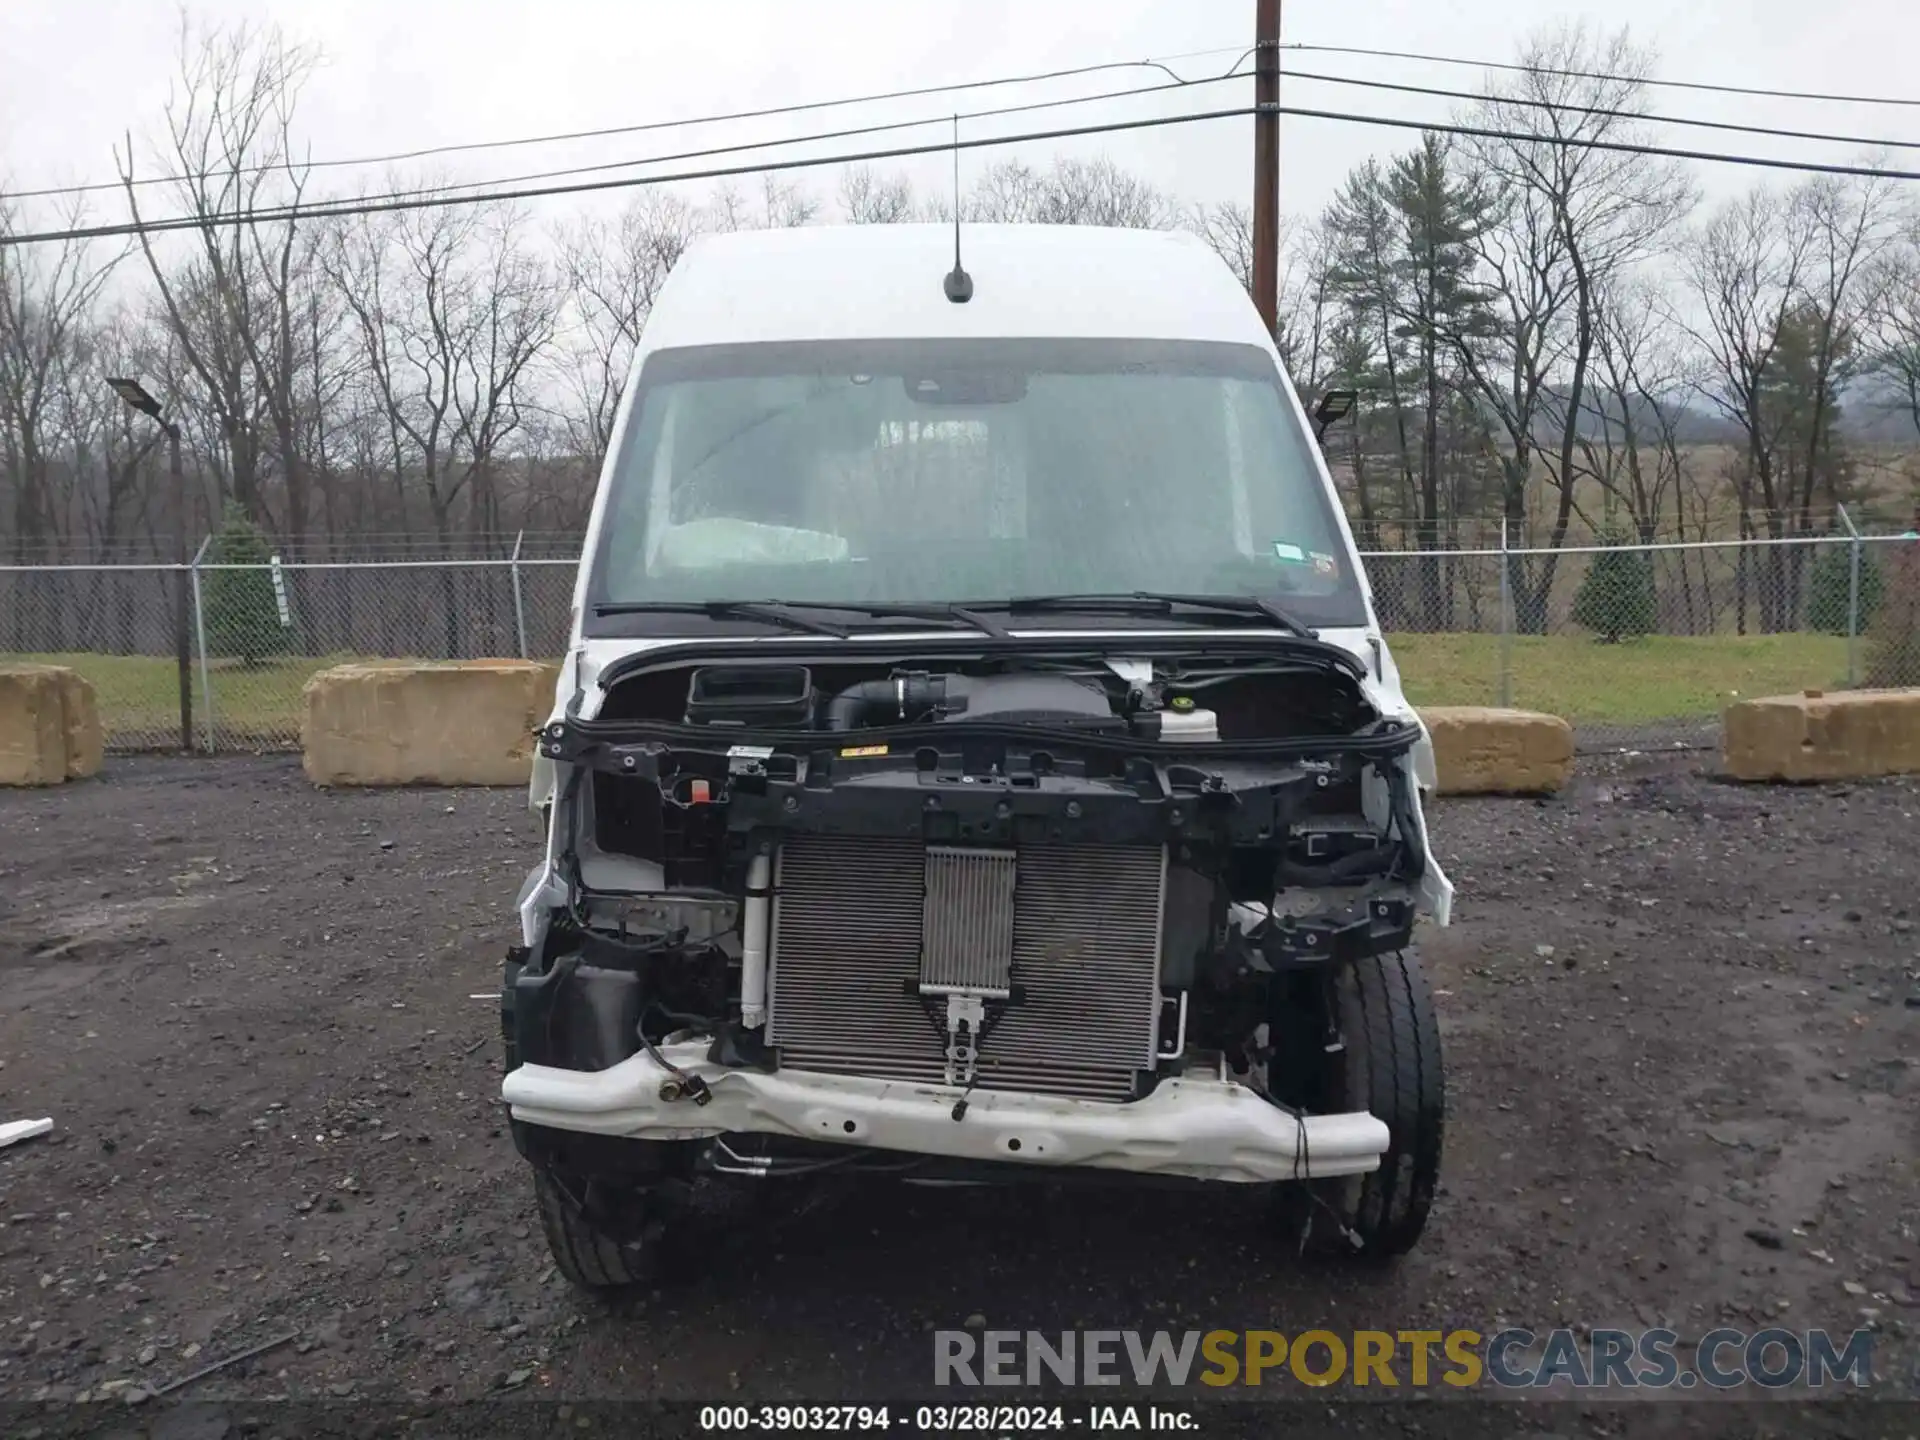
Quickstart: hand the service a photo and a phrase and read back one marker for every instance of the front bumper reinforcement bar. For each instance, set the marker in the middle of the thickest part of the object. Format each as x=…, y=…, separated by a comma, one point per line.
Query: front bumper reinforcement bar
x=1194, y=1128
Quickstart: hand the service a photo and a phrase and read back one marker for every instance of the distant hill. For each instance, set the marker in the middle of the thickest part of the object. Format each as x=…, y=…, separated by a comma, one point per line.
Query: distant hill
x=1877, y=413
x=1694, y=425
x=1876, y=416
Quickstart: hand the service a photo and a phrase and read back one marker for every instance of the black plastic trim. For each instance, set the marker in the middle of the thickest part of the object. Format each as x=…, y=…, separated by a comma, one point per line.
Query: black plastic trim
x=634, y=747
x=1210, y=642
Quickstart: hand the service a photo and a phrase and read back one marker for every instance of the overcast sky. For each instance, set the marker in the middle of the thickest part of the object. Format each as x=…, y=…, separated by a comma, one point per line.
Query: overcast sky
x=75, y=75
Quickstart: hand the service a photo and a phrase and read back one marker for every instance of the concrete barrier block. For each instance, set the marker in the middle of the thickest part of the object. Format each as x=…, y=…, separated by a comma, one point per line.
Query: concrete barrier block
x=80, y=717
x=1853, y=735
x=33, y=741
x=456, y=723
x=1488, y=751
x=49, y=725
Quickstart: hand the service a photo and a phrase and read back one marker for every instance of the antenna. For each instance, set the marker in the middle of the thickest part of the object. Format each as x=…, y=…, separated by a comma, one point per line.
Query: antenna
x=958, y=284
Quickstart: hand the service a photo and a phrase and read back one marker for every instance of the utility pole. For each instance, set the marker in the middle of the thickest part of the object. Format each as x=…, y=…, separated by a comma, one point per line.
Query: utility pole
x=1266, y=163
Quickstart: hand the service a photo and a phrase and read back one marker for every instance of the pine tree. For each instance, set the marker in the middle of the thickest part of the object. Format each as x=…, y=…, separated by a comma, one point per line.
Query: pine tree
x=1616, y=598
x=1405, y=266
x=1799, y=390
x=242, y=615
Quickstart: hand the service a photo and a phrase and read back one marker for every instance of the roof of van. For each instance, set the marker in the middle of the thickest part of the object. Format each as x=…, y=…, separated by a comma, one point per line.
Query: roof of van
x=885, y=282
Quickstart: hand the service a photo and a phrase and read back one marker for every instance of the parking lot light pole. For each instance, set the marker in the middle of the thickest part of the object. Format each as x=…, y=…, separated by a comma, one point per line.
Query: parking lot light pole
x=136, y=397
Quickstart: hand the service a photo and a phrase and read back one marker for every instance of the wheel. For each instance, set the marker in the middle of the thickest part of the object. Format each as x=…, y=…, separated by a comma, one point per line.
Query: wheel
x=1391, y=1068
x=594, y=1253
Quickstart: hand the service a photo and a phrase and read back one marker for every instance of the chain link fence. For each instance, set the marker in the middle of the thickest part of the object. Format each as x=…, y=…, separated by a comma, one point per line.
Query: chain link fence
x=1642, y=646
x=1639, y=646
x=214, y=657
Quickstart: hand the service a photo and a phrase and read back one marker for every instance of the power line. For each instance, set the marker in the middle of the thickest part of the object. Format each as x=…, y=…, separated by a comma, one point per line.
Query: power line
x=396, y=203
x=850, y=133
x=1161, y=63
x=1602, y=75
x=428, y=202
x=1235, y=73
x=1602, y=112
x=1622, y=147
x=1037, y=77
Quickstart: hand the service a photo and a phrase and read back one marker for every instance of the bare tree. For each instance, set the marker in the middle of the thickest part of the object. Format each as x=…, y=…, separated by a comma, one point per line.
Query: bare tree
x=111, y=495
x=1227, y=227
x=1574, y=218
x=613, y=273
x=1071, y=191
x=868, y=199
x=1308, y=310
x=119, y=494
x=47, y=299
x=453, y=309
x=1853, y=225
x=332, y=368
x=1629, y=431
x=514, y=310
x=1305, y=267
x=1784, y=287
x=236, y=306
x=1894, y=343
x=781, y=204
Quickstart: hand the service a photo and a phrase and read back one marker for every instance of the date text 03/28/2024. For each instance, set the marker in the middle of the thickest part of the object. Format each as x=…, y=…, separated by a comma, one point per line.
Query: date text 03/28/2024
x=942, y=1419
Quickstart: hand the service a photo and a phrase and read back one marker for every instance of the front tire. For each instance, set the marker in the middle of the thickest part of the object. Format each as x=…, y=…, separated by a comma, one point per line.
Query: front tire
x=594, y=1253
x=1390, y=1067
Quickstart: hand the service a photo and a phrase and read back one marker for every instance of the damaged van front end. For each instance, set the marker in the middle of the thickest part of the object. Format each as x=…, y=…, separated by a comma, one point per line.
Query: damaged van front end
x=918, y=878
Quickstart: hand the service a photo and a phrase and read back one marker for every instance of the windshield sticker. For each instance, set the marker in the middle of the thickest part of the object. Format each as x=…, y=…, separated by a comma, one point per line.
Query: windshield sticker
x=1292, y=554
x=1324, y=563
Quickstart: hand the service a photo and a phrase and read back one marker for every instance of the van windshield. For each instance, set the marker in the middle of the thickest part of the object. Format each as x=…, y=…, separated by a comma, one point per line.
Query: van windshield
x=965, y=471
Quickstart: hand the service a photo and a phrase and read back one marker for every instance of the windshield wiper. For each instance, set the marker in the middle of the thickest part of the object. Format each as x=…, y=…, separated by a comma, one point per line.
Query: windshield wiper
x=772, y=612
x=790, y=613
x=1154, y=602
x=966, y=614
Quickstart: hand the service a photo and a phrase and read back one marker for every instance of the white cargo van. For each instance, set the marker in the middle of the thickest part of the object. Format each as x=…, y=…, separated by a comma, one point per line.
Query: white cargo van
x=976, y=759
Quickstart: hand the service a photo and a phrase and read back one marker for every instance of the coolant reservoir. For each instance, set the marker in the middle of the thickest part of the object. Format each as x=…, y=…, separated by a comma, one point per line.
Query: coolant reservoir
x=1188, y=723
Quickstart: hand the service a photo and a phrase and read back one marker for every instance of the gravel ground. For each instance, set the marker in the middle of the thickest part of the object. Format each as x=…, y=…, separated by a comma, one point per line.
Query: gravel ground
x=1680, y=1015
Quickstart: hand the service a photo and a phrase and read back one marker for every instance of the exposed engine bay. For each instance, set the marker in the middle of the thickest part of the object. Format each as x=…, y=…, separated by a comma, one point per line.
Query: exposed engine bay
x=1020, y=866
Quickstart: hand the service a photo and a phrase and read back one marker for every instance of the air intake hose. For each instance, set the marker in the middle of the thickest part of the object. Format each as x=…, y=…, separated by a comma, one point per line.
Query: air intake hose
x=897, y=698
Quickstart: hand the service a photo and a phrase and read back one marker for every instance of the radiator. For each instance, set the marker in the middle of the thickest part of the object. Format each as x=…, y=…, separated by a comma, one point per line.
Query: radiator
x=868, y=933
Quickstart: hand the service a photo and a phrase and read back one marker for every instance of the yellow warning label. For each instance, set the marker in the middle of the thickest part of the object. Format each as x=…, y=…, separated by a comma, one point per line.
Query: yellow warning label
x=853, y=751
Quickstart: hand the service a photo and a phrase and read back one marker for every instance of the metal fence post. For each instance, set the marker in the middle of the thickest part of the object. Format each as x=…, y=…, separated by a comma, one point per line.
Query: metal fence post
x=200, y=637
x=519, y=602
x=181, y=651
x=184, y=674
x=1853, y=597
x=1506, y=621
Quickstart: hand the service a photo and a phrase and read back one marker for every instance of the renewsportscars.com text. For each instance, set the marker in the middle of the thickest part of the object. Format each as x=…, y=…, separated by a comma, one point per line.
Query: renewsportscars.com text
x=1513, y=1358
